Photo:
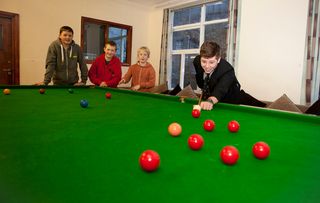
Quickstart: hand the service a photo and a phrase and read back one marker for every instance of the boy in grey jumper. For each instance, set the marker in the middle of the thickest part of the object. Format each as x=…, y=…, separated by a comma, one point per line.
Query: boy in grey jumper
x=62, y=61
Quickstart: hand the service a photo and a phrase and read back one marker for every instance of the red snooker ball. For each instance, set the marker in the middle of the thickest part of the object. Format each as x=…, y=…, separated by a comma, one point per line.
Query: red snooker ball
x=261, y=150
x=195, y=113
x=149, y=160
x=108, y=95
x=174, y=129
x=195, y=142
x=42, y=91
x=233, y=126
x=209, y=125
x=229, y=155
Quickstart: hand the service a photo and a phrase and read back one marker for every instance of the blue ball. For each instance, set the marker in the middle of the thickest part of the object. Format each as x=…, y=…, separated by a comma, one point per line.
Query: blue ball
x=84, y=103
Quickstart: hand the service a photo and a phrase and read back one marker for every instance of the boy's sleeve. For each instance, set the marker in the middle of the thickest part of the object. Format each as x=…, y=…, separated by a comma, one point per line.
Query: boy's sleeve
x=51, y=63
x=128, y=75
x=83, y=68
x=93, y=74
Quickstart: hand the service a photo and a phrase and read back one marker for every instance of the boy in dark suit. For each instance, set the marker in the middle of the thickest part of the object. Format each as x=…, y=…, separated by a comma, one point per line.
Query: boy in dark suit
x=216, y=77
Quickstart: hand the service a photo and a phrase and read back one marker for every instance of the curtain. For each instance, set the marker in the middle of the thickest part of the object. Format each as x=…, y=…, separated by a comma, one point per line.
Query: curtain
x=164, y=44
x=233, y=32
x=312, y=57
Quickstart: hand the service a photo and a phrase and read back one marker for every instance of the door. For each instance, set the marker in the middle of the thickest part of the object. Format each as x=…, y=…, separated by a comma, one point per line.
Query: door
x=9, y=53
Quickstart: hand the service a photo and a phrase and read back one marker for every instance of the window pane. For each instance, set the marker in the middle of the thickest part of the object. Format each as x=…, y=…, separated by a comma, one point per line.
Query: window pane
x=95, y=47
x=218, y=33
x=186, y=39
x=114, y=32
x=119, y=36
x=217, y=10
x=175, y=75
x=187, y=16
x=189, y=74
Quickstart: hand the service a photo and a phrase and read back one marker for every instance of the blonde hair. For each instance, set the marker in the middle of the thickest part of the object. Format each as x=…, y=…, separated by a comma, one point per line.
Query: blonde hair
x=146, y=49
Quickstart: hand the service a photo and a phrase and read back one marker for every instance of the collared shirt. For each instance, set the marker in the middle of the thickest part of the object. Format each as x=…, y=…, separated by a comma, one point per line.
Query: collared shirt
x=205, y=74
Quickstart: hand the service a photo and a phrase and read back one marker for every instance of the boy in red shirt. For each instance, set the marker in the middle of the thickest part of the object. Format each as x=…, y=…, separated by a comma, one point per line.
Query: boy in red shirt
x=105, y=71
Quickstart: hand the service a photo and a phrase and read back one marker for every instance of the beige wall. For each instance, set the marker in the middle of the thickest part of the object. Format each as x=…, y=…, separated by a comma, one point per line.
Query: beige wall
x=271, y=40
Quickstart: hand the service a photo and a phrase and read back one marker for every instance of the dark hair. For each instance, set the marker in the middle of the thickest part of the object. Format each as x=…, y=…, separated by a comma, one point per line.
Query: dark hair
x=66, y=28
x=210, y=49
x=111, y=43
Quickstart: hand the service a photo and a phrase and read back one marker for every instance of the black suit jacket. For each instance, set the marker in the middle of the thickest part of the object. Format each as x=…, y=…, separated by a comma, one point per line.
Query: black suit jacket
x=223, y=83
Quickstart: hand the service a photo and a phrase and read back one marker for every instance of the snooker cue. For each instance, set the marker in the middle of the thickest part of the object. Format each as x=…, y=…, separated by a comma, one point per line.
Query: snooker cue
x=200, y=98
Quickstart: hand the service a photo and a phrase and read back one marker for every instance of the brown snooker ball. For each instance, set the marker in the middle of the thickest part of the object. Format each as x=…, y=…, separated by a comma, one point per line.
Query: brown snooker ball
x=42, y=91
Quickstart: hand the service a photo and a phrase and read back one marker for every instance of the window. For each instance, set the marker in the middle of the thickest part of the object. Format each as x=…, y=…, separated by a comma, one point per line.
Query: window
x=95, y=33
x=188, y=29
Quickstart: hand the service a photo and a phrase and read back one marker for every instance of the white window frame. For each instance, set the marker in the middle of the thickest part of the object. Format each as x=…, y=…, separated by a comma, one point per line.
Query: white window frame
x=201, y=25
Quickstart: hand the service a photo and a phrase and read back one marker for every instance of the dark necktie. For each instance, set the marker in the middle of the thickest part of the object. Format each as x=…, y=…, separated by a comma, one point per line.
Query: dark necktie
x=206, y=91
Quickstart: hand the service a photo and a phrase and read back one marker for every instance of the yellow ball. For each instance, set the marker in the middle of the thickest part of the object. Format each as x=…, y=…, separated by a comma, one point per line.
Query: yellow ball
x=6, y=91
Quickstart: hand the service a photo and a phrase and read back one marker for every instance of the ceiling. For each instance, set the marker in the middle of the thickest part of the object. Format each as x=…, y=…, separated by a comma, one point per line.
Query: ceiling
x=150, y=2
x=159, y=3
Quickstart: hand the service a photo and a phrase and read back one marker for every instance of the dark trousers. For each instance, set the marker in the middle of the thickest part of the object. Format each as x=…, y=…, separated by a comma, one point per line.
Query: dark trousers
x=314, y=108
x=244, y=98
x=247, y=99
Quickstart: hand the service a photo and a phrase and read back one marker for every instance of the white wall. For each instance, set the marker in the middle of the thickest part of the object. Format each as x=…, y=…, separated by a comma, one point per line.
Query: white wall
x=271, y=48
x=271, y=38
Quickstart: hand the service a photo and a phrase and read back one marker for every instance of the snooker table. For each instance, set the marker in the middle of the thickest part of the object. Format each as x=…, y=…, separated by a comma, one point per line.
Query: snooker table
x=54, y=151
